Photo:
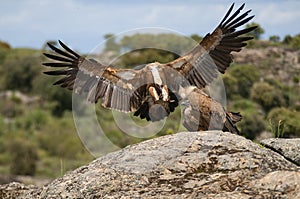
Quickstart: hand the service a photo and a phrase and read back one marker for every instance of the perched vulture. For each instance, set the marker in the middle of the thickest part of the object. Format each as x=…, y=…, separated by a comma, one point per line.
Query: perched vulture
x=153, y=92
x=201, y=112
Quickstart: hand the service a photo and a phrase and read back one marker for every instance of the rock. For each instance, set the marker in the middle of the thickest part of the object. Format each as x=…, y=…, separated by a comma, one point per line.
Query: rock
x=289, y=148
x=24, y=179
x=15, y=190
x=25, y=99
x=278, y=182
x=209, y=164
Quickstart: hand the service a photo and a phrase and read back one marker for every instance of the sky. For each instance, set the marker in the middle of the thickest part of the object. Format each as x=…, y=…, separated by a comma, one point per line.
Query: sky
x=82, y=24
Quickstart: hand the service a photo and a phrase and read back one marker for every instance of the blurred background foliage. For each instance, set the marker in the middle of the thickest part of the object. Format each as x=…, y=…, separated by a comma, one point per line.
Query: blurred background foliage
x=37, y=132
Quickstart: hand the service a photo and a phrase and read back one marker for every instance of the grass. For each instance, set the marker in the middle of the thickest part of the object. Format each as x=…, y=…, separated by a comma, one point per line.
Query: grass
x=277, y=129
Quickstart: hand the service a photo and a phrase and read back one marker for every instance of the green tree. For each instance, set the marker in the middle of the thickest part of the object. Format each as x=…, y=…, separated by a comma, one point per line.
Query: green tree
x=110, y=43
x=295, y=43
x=267, y=96
x=256, y=33
x=287, y=39
x=274, y=38
x=244, y=77
x=4, y=45
x=292, y=42
x=19, y=70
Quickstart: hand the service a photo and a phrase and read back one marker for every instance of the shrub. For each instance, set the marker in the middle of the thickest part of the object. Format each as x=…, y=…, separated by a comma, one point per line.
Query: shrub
x=110, y=43
x=267, y=96
x=24, y=157
x=287, y=39
x=245, y=75
x=10, y=108
x=251, y=125
x=32, y=120
x=20, y=71
x=293, y=42
x=4, y=45
x=60, y=99
x=274, y=38
x=245, y=106
x=144, y=56
x=288, y=119
x=58, y=137
x=231, y=85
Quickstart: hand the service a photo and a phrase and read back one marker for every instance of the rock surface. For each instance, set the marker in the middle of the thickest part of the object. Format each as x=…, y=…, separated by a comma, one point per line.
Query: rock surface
x=210, y=164
x=289, y=148
x=16, y=190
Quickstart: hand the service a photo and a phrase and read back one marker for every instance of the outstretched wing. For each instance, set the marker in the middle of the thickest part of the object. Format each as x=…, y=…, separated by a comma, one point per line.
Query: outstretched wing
x=213, y=54
x=118, y=89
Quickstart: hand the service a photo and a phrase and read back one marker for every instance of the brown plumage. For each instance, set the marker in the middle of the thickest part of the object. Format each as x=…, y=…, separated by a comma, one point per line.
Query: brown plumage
x=201, y=112
x=152, y=92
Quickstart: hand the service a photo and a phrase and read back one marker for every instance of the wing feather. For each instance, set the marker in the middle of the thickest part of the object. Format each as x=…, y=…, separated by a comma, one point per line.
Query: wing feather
x=58, y=58
x=115, y=87
x=68, y=49
x=57, y=64
x=63, y=53
x=213, y=54
x=234, y=15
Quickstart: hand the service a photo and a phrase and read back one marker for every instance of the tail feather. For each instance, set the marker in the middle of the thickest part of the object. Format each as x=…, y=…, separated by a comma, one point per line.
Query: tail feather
x=235, y=117
x=231, y=119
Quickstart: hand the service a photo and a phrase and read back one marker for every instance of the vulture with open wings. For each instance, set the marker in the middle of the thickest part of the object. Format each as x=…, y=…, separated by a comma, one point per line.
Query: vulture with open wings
x=152, y=92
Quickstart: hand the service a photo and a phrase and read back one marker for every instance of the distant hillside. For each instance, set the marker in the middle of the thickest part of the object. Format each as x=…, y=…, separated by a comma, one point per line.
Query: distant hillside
x=278, y=63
